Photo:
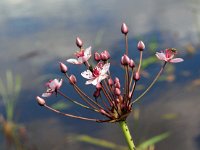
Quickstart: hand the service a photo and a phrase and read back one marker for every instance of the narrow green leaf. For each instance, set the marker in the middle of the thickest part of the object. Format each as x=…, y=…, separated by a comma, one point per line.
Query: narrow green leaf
x=3, y=92
x=169, y=116
x=17, y=87
x=9, y=93
x=99, y=142
x=153, y=140
x=60, y=105
x=153, y=45
x=10, y=82
x=148, y=61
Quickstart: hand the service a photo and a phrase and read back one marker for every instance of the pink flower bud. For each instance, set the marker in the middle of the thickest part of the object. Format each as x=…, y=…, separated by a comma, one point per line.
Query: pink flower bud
x=63, y=67
x=117, y=100
x=97, y=56
x=123, y=106
x=141, y=46
x=40, y=101
x=117, y=91
x=105, y=113
x=96, y=93
x=110, y=82
x=124, y=28
x=102, y=111
x=79, y=42
x=137, y=76
x=131, y=63
x=72, y=79
x=98, y=86
x=125, y=60
x=116, y=80
x=105, y=55
x=117, y=85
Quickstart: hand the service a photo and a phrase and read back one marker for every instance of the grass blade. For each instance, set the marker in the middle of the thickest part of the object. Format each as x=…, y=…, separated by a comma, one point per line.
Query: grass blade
x=153, y=140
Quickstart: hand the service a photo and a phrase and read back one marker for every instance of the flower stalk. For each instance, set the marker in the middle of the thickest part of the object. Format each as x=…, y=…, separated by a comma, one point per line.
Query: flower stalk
x=123, y=125
x=153, y=82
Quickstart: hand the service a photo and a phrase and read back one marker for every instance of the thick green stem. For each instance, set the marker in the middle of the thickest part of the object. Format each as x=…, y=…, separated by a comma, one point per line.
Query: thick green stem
x=127, y=135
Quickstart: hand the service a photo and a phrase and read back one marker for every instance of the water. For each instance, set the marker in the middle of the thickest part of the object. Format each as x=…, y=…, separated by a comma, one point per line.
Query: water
x=36, y=35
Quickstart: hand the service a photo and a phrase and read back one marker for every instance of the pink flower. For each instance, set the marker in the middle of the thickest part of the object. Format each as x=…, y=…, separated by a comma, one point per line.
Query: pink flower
x=82, y=56
x=97, y=74
x=52, y=86
x=168, y=56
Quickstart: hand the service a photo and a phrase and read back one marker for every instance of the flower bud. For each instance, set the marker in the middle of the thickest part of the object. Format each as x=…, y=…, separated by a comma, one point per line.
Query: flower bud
x=72, y=79
x=63, y=67
x=79, y=42
x=136, y=76
x=117, y=85
x=140, y=46
x=105, y=55
x=131, y=63
x=125, y=60
x=98, y=86
x=117, y=100
x=100, y=64
x=124, y=28
x=123, y=107
x=40, y=101
x=116, y=79
x=117, y=91
x=96, y=93
x=110, y=82
x=105, y=113
x=97, y=56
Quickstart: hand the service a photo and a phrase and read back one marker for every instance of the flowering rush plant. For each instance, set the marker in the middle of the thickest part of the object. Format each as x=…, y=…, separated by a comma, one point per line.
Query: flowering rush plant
x=112, y=101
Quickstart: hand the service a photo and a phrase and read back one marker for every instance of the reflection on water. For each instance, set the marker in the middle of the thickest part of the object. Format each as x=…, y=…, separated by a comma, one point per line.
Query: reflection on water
x=35, y=35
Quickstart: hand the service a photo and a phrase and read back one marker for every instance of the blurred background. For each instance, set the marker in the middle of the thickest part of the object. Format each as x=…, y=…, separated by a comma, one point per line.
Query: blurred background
x=37, y=34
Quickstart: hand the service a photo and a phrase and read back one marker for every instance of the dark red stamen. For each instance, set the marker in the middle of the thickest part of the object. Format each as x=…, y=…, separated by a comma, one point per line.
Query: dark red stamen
x=95, y=72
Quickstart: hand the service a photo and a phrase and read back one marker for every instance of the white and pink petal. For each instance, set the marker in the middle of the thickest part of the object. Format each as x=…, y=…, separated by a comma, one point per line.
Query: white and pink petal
x=161, y=56
x=87, y=74
x=176, y=60
x=92, y=81
x=87, y=52
x=47, y=94
x=59, y=83
x=105, y=68
x=53, y=84
x=73, y=61
x=102, y=77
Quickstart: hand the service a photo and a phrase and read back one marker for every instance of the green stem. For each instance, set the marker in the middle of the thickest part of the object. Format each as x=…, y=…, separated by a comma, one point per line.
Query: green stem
x=127, y=135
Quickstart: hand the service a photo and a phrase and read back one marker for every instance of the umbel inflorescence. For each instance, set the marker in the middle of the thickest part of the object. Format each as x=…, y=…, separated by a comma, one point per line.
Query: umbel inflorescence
x=110, y=99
